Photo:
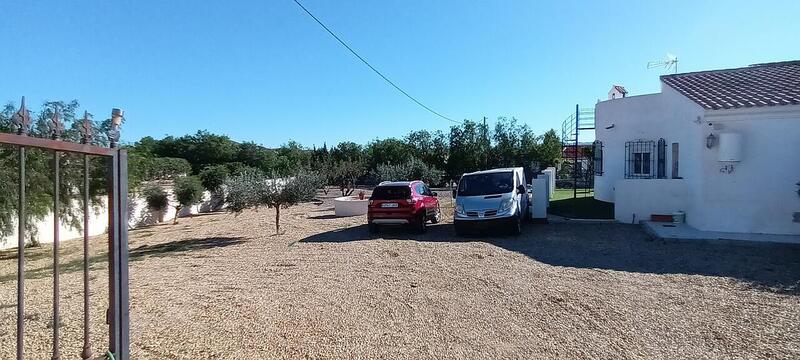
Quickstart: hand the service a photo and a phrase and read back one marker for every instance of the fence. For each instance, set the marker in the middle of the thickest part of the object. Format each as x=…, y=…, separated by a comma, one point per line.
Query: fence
x=117, y=188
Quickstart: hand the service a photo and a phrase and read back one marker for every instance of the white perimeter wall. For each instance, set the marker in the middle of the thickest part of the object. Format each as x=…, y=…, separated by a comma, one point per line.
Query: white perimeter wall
x=139, y=215
x=759, y=196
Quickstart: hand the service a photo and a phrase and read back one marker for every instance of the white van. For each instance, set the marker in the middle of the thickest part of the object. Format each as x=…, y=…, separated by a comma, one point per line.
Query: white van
x=492, y=197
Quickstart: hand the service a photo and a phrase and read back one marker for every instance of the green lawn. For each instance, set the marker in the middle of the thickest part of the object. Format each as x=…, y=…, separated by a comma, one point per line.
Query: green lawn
x=584, y=206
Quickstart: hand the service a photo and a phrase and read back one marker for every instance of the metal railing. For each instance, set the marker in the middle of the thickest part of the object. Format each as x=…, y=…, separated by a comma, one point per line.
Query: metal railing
x=118, y=311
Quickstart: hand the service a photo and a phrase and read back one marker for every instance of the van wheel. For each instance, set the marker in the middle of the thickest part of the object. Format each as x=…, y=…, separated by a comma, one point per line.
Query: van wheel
x=373, y=228
x=459, y=229
x=516, y=228
x=437, y=217
x=421, y=223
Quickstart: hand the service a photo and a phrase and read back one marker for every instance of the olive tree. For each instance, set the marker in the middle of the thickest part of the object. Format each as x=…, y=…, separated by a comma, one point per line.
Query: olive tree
x=252, y=189
x=345, y=174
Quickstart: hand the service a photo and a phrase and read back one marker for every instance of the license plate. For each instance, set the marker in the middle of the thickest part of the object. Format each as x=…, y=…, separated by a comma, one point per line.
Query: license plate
x=389, y=205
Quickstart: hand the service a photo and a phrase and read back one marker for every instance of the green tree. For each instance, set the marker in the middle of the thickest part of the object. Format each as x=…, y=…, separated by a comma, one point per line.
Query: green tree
x=550, y=151
x=469, y=148
x=39, y=170
x=386, y=151
x=200, y=150
x=156, y=198
x=430, y=147
x=188, y=191
x=291, y=158
x=347, y=151
x=413, y=169
x=257, y=156
x=213, y=177
x=253, y=190
x=345, y=174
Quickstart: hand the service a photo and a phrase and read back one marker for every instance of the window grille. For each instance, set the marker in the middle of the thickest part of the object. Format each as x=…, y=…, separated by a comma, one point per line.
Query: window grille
x=640, y=159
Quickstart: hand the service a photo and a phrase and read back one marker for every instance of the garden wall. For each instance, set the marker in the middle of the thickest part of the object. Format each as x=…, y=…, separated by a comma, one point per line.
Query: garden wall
x=138, y=215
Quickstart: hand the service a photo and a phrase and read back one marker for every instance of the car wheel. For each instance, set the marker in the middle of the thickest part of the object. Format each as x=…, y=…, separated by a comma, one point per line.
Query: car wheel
x=422, y=223
x=437, y=217
x=373, y=228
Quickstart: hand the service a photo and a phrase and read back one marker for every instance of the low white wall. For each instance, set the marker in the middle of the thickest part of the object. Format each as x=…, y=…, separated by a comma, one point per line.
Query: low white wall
x=138, y=214
x=98, y=224
x=637, y=199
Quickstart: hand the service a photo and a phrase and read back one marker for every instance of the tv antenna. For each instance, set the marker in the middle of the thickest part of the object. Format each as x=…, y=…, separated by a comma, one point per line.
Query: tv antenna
x=668, y=63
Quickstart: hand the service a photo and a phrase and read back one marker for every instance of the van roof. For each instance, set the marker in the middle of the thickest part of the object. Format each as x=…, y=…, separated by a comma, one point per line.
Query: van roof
x=492, y=171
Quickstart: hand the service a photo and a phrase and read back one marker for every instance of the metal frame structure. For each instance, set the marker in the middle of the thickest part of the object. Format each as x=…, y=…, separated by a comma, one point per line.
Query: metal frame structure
x=571, y=127
x=118, y=310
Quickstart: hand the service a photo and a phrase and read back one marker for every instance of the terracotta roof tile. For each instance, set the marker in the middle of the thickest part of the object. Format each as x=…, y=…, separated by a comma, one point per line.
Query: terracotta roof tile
x=756, y=85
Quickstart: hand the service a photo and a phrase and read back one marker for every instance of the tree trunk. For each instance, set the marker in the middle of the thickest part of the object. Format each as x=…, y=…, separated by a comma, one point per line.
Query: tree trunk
x=177, y=211
x=277, y=219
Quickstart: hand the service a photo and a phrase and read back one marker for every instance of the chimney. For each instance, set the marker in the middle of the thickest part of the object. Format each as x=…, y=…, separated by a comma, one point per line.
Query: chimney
x=617, y=92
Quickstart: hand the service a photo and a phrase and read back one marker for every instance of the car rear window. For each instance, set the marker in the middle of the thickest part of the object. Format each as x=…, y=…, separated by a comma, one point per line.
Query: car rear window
x=391, y=193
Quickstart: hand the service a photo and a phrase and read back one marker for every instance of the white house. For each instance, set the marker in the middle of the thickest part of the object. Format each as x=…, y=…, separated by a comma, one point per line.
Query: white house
x=722, y=146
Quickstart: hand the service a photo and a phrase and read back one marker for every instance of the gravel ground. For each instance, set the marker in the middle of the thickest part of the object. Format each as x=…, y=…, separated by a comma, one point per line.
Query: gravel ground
x=221, y=286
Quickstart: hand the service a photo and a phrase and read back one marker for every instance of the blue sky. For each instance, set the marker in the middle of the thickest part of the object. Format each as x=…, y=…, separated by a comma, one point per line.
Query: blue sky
x=264, y=71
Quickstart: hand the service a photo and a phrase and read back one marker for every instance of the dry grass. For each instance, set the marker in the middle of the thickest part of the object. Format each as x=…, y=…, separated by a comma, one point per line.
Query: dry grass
x=224, y=287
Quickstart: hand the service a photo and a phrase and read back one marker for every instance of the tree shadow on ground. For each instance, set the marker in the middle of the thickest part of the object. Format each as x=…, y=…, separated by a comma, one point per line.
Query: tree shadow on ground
x=182, y=246
x=173, y=248
x=619, y=247
x=323, y=217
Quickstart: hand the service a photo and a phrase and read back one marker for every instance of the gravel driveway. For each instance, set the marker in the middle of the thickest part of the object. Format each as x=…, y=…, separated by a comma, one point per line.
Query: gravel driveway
x=225, y=287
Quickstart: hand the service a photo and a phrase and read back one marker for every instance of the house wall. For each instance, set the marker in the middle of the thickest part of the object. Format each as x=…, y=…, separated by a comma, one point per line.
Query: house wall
x=665, y=115
x=664, y=196
x=759, y=196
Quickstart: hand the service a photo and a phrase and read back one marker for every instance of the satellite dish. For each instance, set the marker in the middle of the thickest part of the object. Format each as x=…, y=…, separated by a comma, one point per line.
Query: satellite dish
x=670, y=62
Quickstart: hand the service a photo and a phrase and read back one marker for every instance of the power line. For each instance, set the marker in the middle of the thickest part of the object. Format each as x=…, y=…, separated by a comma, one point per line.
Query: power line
x=372, y=67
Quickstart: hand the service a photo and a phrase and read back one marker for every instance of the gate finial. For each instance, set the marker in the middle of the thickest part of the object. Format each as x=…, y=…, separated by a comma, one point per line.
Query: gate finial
x=86, y=129
x=22, y=119
x=56, y=126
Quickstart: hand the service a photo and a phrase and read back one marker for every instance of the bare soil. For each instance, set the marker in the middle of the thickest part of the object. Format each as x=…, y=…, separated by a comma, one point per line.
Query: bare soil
x=221, y=286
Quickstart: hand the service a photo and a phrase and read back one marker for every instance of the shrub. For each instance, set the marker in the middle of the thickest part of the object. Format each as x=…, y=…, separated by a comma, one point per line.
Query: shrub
x=156, y=198
x=188, y=191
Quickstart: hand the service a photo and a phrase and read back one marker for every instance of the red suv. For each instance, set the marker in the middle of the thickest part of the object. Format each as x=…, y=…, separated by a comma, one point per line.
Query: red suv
x=403, y=203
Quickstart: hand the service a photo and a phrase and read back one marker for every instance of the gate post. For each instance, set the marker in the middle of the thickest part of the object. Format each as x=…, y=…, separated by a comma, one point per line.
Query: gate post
x=118, y=312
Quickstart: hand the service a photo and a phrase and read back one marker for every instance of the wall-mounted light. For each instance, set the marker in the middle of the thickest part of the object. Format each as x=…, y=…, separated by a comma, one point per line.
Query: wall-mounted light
x=609, y=127
x=711, y=140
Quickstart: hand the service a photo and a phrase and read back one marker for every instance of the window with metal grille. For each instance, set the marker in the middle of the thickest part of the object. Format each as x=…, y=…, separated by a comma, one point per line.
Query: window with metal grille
x=639, y=159
x=598, y=157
